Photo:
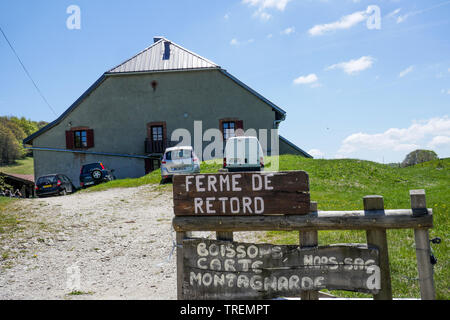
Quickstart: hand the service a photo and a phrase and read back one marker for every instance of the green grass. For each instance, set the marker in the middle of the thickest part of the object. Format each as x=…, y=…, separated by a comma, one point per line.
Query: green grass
x=152, y=178
x=8, y=221
x=24, y=166
x=341, y=185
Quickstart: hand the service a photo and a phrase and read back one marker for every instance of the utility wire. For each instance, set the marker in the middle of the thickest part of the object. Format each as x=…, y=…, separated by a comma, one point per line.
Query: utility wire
x=26, y=71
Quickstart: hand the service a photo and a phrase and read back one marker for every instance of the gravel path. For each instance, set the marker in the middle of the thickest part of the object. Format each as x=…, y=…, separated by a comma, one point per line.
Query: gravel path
x=112, y=244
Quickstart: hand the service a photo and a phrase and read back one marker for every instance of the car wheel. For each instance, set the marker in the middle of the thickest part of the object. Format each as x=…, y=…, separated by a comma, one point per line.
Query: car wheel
x=63, y=192
x=96, y=175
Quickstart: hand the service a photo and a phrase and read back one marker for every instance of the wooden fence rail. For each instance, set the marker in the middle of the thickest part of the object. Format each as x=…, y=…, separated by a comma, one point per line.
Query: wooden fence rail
x=321, y=220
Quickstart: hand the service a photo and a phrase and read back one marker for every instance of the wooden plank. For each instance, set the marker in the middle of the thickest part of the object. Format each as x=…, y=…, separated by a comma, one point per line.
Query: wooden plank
x=231, y=270
x=180, y=237
x=309, y=239
x=243, y=193
x=423, y=250
x=378, y=238
x=323, y=220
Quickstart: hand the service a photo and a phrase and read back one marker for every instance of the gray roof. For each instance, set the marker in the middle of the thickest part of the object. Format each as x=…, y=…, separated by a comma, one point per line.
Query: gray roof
x=305, y=154
x=164, y=55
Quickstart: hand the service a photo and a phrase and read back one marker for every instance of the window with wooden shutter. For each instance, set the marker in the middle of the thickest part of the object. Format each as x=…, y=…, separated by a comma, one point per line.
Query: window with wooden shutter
x=231, y=128
x=157, y=133
x=80, y=138
x=228, y=129
x=70, y=138
x=90, y=138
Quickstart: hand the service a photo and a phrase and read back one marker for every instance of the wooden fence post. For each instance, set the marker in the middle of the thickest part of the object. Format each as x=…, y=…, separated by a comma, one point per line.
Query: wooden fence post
x=374, y=205
x=423, y=250
x=309, y=239
x=180, y=237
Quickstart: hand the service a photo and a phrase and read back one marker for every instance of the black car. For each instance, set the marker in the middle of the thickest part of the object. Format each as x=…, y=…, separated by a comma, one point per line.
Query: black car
x=53, y=184
x=94, y=173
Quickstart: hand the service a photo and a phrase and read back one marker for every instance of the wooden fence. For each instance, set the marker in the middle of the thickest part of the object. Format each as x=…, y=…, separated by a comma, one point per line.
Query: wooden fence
x=195, y=256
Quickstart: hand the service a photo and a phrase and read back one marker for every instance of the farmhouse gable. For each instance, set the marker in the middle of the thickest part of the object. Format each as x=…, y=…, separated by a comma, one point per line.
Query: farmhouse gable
x=126, y=119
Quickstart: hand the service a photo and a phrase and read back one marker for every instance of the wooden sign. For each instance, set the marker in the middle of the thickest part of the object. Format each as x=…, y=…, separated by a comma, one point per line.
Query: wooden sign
x=230, y=270
x=243, y=193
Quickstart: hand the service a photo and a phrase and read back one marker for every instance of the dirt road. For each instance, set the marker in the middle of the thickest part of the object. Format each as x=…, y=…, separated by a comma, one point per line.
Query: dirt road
x=113, y=244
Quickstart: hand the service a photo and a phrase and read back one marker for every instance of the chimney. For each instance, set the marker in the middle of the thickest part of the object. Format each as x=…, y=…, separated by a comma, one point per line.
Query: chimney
x=166, y=55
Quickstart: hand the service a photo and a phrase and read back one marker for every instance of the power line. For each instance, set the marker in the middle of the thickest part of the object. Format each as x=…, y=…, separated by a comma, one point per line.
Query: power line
x=26, y=71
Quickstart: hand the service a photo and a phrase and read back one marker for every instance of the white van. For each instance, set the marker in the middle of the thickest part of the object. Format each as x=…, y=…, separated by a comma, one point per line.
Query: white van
x=243, y=154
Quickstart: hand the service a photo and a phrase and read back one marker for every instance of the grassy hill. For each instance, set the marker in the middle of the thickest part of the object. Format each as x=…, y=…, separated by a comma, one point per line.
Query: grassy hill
x=341, y=185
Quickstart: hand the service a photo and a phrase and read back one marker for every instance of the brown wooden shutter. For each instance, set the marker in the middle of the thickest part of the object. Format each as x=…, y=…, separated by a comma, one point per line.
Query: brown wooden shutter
x=70, y=136
x=90, y=138
x=239, y=127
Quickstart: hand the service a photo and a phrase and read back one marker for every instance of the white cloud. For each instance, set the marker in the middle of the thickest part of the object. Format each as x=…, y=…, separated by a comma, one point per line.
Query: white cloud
x=226, y=16
x=309, y=79
x=430, y=133
x=439, y=141
x=345, y=22
x=406, y=71
x=264, y=5
x=404, y=17
x=236, y=42
x=393, y=13
x=355, y=66
x=445, y=91
x=268, y=4
x=316, y=153
x=288, y=31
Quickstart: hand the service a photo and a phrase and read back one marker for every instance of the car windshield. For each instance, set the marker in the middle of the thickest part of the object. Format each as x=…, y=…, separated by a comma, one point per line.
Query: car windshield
x=46, y=180
x=88, y=167
x=179, y=154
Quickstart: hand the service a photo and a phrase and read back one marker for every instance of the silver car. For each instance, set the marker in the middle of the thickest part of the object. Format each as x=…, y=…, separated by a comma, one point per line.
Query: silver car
x=179, y=160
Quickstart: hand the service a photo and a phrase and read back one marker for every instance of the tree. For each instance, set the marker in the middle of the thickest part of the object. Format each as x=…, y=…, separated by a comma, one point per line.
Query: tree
x=41, y=124
x=27, y=126
x=14, y=127
x=419, y=156
x=3, y=184
x=12, y=132
x=10, y=149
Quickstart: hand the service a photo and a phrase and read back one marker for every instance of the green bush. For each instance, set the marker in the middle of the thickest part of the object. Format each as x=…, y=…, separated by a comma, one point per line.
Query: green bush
x=419, y=156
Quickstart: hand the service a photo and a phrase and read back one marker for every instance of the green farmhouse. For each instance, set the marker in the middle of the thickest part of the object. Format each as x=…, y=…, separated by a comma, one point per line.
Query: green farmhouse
x=127, y=118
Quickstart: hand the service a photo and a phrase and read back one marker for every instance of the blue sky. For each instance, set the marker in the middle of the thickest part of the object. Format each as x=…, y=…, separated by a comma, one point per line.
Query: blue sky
x=371, y=90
